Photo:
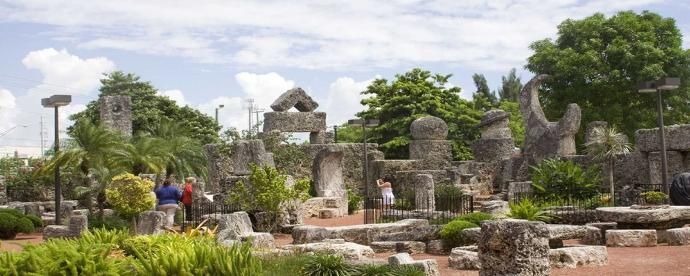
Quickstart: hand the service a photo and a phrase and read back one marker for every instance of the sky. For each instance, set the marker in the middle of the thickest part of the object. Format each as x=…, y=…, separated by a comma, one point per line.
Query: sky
x=207, y=53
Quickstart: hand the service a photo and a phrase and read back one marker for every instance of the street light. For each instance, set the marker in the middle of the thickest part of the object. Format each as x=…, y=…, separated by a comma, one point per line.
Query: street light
x=364, y=124
x=56, y=101
x=217, y=108
x=663, y=84
x=11, y=129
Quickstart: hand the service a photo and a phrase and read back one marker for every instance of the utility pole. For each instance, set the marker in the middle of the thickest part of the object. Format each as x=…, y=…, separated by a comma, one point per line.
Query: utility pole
x=256, y=111
x=250, y=106
x=42, y=142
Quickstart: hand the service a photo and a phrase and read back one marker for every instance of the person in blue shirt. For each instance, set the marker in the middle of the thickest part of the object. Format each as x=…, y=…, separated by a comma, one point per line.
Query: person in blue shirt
x=168, y=201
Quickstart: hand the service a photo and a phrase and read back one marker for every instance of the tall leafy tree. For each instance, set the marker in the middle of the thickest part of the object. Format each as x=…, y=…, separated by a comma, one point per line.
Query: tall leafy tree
x=183, y=155
x=510, y=87
x=412, y=95
x=149, y=109
x=483, y=98
x=596, y=62
x=605, y=145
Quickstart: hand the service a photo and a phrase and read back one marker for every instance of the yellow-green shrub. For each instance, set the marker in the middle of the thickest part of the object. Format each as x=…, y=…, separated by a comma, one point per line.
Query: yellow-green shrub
x=130, y=195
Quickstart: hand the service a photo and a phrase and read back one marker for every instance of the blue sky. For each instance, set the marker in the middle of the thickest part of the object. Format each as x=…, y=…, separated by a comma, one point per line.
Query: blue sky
x=223, y=52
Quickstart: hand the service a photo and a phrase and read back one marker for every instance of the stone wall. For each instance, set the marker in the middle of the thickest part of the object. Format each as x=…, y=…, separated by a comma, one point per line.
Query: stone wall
x=116, y=113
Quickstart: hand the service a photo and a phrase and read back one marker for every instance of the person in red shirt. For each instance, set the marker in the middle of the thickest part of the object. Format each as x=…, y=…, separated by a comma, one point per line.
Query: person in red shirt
x=187, y=197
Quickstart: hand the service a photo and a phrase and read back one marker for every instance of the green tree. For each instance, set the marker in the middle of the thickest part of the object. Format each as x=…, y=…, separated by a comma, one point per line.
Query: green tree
x=412, y=95
x=349, y=134
x=87, y=156
x=183, y=155
x=149, y=109
x=483, y=98
x=130, y=195
x=596, y=62
x=605, y=145
x=510, y=87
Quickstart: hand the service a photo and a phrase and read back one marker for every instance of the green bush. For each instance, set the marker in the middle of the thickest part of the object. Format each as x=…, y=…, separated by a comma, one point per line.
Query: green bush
x=447, y=198
x=35, y=220
x=327, y=265
x=13, y=222
x=108, y=223
x=654, y=198
x=353, y=201
x=555, y=179
x=104, y=252
x=374, y=270
x=526, y=209
x=408, y=270
x=475, y=217
x=451, y=233
x=283, y=265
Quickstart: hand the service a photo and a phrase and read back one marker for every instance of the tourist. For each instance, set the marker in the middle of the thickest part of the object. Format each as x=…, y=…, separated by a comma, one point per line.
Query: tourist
x=168, y=201
x=386, y=191
x=187, y=197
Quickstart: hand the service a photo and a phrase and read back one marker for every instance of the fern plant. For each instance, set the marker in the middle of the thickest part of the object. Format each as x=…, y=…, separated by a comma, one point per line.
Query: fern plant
x=526, y=209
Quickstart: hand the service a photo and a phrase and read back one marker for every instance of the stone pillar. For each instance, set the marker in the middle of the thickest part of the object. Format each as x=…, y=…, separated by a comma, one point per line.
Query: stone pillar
x=327, y=172
x=3, y=191
x=514, y=247
x=150, y=222
x=429, y=143
x=116, y=113
x=496, y=143
x=591, y=126
x=424, y=192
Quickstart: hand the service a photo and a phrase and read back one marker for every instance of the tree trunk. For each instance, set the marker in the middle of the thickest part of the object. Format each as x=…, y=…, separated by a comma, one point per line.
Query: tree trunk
x=611, y=183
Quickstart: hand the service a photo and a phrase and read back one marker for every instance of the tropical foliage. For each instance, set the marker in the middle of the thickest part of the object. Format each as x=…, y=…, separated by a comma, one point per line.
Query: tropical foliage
x=528, y=210
x=555, y=179
x=13, y=222
x=606, y=144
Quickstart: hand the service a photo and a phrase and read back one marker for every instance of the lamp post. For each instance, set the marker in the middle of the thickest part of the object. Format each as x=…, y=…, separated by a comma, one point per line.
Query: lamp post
x=663, y=84
x=11, y=129
x=54, y=102
x=217, y=108
x=364, y=124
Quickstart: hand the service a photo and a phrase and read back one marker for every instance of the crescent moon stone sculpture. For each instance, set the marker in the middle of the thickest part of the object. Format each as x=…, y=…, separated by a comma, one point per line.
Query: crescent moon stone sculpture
x=544, y=139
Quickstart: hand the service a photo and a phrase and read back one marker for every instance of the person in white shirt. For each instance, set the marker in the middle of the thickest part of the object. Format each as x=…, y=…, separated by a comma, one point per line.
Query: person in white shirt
x=386, y=191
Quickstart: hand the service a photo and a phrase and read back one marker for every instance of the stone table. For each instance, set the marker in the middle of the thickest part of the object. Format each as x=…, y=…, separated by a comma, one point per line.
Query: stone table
x=660, y=218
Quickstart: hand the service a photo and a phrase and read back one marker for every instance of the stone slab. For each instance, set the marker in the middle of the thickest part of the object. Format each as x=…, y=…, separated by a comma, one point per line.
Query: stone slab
x=647, y=140
x=410, y=247
x=294, y=121
x=678, y=236
x=464, y=259
x=660, y=218
x=297, y=98
x=578, y=256
x=514, y=247
x=631, y=238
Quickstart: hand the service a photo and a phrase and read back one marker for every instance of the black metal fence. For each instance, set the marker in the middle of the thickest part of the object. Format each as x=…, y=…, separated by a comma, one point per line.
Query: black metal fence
x=581, y=211
x=439, y=211
x=206, y=210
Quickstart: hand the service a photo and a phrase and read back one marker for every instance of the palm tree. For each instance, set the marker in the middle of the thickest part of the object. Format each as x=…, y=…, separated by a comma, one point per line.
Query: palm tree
x=144, y=154
x=604, y=145
x=87, y=154
x=183, y=155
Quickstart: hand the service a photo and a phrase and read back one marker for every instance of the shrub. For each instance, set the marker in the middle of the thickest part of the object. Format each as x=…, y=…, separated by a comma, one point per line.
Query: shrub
x=654, y=198
x=327, y=265
x=35, y=220
x=451, y=233
x=283, y=265
x=268, y=192
x=353, y=201
x=13, y=222
x=555, y=179
x=408, y=270
x=526, y=209
x=448, y=198
x=130, y=195
x=475, y=217
x=374, y=270
x=108, y=223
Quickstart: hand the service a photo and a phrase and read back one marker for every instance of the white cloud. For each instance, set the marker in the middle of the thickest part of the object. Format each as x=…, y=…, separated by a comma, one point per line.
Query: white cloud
x=7, y=110
x=482, y=34
x=175, y=95
x=263, y=88
x=66, y=73
x=344, y=99
x=61, y=73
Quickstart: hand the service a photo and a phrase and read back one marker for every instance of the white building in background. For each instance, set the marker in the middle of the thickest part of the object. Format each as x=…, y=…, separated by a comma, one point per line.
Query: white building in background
x=21, y=152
